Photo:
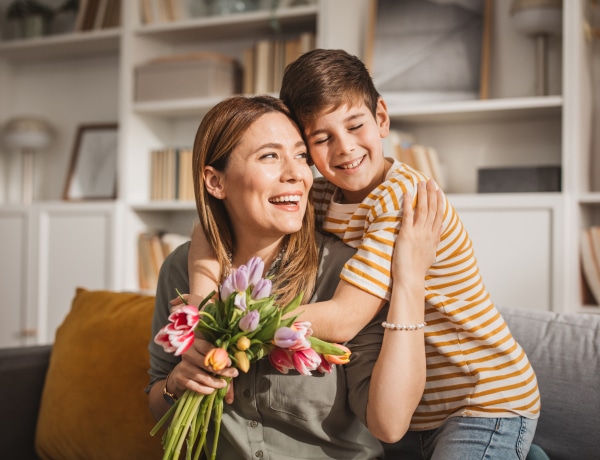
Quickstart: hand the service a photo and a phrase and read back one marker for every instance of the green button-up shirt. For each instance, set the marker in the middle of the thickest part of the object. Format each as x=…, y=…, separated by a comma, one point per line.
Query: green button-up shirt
x=288, y=416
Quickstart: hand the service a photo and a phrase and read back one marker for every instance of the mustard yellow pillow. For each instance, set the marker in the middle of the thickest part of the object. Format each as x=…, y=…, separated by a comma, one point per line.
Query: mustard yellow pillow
x=93, y=404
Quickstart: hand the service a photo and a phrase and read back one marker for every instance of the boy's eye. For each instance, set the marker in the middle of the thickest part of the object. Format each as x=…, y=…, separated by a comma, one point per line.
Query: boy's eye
x=321, y=141
x=355, y=127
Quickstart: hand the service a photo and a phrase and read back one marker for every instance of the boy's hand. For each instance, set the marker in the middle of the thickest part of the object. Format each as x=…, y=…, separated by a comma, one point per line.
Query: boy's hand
x=186, y=299
x=416, y=245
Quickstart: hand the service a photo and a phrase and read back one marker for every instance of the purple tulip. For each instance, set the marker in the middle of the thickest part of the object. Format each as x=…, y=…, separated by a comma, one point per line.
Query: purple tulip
x=240, y=301
x=227, y=288
x=240, y=278
x=255, y=270
x=249, y=321
x=262, y=289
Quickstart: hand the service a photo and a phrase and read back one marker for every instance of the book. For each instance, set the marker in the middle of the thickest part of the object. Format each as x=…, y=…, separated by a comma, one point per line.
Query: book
x=421, y=159
x=263, y=67
x=185, y=186
x=590, y=259
x=153, y=248
x=436, y=167
x=171, y=174
x=79, y=20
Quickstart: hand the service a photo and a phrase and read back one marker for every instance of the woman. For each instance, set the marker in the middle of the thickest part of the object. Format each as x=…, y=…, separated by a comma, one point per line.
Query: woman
x=252, y=183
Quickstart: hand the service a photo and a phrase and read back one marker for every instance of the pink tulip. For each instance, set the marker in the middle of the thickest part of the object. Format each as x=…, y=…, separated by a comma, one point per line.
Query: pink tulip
x=185, y=317
x=324, y=367
x=303, y=327
x=289, y=338
x=306, y=360
x=281, y=360
x=173, y=340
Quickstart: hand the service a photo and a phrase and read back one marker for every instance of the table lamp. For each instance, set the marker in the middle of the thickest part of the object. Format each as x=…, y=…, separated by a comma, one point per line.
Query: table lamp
x=539, y=19
x=27, y=135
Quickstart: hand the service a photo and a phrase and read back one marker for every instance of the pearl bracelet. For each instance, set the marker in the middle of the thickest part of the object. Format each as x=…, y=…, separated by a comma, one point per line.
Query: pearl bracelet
x=403, y=327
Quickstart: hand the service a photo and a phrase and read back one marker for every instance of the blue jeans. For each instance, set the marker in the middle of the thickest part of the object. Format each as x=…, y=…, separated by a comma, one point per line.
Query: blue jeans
x=467, y=438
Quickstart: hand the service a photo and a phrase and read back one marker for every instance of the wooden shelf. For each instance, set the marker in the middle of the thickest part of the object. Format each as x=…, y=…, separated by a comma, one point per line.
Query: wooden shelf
x=177, y=107
x=79, y=44
x=505, y=200
x=592, y=198
x=475, y=110
x=236, y=25
x=165, y=206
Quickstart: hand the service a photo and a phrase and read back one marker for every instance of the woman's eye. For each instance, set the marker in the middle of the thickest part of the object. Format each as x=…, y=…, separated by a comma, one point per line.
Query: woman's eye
x=268, y=156
x=303, y=155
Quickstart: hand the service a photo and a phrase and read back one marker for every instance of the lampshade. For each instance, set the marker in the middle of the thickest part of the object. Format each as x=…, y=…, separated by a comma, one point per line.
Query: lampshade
x=535, y=17
x=27, y=133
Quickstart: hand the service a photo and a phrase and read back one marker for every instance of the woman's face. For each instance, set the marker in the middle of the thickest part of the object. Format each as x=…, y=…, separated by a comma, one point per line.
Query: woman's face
x=266, y=183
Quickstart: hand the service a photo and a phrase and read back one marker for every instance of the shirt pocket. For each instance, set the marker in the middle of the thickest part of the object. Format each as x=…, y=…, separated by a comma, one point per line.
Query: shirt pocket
x=306, y=397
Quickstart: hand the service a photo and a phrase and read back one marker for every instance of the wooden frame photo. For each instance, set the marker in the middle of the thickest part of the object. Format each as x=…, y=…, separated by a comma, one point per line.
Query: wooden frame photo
x=93, y=169
x=429, y=51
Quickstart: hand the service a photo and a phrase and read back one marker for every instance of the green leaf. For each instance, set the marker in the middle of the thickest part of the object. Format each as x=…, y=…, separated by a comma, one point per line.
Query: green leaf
x=292, y=305
x=326, y=348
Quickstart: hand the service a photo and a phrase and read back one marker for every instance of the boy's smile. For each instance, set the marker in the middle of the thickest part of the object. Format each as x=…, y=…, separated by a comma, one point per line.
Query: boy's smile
x=345, y=145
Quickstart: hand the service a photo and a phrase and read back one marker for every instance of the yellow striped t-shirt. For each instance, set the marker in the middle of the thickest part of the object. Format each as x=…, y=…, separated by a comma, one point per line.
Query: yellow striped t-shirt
x=474, y=365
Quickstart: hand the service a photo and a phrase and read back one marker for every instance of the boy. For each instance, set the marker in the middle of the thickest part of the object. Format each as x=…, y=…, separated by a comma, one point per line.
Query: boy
x=481, y=396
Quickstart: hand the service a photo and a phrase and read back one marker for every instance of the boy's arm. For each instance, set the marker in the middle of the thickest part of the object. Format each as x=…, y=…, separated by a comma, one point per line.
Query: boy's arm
x=351, y=308
x=342, y=317
x=203, y=268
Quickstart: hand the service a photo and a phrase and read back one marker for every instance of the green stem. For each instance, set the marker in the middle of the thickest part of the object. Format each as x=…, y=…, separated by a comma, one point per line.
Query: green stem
x=209, y=408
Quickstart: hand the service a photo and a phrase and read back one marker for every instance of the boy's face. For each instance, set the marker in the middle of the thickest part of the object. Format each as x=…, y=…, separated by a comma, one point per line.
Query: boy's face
x=346, y=147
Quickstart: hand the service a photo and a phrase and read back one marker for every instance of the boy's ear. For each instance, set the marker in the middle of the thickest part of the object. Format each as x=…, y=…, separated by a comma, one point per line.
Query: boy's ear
x=383, y=118
x=213, y=181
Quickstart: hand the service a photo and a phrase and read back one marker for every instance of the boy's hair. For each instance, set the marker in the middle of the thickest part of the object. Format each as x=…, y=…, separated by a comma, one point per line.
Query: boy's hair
x=326, y=79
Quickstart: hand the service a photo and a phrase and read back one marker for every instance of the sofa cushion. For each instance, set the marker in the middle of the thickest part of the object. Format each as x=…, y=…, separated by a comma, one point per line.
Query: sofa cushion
x=22, y=372
x=93, y=403
x=564, y=350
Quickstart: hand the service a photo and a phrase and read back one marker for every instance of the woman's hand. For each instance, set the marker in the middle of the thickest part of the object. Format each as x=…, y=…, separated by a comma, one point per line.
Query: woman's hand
x=416, y=245
x=192, y=373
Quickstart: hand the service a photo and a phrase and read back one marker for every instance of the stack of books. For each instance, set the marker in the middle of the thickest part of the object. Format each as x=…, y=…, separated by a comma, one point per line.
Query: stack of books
x=590, y=261
x=171, y=176
x=153, y=248
x=420, y=157
x=265, y=61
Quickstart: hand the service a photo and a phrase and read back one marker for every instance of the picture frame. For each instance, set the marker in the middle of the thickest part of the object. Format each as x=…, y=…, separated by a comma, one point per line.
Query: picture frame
x=92, y=171
x=429, y=51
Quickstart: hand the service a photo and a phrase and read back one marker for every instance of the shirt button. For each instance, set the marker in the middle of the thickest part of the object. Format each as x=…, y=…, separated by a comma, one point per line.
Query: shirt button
x=247, y=393
x=258, y=453
x=254, y=424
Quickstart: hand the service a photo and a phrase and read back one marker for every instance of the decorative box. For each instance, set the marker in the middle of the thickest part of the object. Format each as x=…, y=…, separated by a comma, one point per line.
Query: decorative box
x=519, y=179
x=187, y=76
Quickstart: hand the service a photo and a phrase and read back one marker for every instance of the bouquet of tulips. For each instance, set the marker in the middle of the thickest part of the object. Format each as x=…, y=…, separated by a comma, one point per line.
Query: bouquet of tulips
x=245, y=324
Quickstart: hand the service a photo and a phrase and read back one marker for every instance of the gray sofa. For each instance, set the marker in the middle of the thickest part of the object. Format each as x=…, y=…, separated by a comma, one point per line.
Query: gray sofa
x=563, y=349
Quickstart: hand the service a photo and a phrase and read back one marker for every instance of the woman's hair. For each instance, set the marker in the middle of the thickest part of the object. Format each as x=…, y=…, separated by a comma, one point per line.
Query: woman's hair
x=220, y=131
x=326, y=79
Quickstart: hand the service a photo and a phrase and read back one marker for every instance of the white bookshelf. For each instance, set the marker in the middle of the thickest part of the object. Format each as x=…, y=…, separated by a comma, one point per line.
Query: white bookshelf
x=89, y=77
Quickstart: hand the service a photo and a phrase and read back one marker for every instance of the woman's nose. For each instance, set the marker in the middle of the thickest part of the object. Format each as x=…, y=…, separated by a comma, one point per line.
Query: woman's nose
x=293, y=171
